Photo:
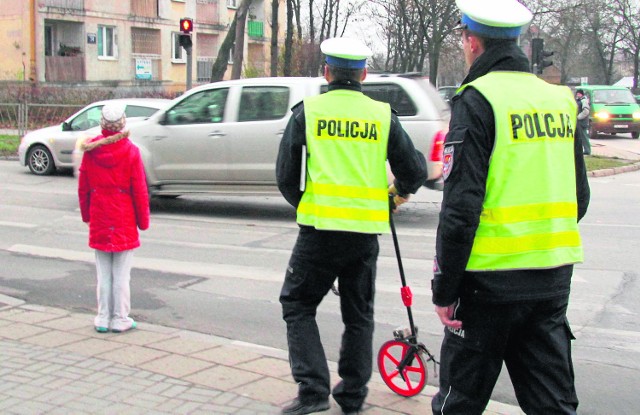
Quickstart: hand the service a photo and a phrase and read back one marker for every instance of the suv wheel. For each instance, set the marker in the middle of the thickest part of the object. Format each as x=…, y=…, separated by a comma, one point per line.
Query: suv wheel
x=40, y=161
x=635, y=134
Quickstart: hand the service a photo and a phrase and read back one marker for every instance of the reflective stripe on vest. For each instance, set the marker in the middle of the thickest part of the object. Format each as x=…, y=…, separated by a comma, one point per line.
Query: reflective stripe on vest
x=529, y=215
x=346, y=188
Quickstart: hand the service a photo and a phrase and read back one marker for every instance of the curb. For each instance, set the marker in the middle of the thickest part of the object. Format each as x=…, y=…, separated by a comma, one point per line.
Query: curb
x=614, y=170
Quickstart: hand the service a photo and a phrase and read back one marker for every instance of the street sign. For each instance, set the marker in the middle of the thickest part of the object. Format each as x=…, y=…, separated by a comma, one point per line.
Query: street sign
x=143, y=68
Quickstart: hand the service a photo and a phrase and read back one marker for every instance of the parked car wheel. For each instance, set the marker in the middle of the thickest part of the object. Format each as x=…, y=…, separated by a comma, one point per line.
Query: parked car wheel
x=635, y=134
x=40, y=161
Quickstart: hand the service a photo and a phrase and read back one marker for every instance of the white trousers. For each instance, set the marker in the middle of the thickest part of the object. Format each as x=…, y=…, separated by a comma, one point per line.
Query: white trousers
x=113, y=292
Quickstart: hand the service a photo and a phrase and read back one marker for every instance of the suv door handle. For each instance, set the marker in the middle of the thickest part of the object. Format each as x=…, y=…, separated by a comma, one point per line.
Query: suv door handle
x=280, y=133
x=216, y=134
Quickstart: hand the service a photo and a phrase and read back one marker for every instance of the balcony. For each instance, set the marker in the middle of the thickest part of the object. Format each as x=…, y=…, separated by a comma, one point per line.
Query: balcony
x=64, y=4
x=64, y=68
x=255, y=29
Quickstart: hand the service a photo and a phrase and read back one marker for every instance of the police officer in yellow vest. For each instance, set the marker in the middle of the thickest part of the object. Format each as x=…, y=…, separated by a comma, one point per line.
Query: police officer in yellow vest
x=515, y=188
x=340, y=141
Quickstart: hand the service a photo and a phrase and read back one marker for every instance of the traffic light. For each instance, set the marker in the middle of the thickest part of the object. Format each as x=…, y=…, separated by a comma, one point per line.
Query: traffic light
x=185, y=41
x=538, y=55
x=186, y=25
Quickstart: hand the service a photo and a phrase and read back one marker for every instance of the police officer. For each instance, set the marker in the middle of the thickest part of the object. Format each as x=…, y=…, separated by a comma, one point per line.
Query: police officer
x=515, y=187
x=583, y=119
x=340, y=142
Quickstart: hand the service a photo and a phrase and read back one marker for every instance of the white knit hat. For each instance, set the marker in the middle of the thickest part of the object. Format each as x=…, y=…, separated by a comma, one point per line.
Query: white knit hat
x=113, y=117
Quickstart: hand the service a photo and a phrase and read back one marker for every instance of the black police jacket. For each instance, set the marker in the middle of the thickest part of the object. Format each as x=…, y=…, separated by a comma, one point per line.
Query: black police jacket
x=408, y=165
x=472, y=135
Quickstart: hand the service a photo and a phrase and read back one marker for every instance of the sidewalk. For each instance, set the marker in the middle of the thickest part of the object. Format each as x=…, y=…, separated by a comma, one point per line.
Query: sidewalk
x=53, y=362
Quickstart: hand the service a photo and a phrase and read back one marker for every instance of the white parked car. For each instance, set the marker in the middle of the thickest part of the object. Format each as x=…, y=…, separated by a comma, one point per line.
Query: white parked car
x=224, y=137
x=49, y=148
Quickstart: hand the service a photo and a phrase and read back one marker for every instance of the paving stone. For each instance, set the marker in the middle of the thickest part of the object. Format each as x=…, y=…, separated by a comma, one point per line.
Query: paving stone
x=53, y=338
x=132, y=355
x=69, y=323
x=31, y=317
x=17, y=331
x=223, y=378
x=141, y=337
x=226, y=355
x=267, y=366
x=182, y=346
x=92, y=346
x=176, y=366
x=271, y=390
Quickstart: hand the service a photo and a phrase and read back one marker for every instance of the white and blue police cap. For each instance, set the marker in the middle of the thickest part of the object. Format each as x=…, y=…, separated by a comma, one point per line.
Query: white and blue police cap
x=344, y=52
x=500, y=19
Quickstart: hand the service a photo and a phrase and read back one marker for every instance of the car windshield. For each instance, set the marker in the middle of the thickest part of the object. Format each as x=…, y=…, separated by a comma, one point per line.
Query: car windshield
x=613, y=96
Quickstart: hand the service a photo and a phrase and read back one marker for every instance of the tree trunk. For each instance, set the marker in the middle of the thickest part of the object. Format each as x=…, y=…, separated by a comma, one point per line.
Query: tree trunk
x=238, y=51
x=222, y=60
x=274, y=37
x=288, y=42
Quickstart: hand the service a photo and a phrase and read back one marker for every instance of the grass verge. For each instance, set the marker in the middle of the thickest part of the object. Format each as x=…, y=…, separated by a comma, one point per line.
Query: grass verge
x=599, y=162
x=9, y=144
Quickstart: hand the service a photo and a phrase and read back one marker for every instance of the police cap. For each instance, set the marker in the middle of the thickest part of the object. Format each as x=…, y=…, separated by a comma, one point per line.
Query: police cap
x=345, y=52
x=501, y=19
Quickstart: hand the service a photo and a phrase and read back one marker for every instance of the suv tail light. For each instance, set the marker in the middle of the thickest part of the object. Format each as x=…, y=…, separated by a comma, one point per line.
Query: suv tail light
x=437, y=147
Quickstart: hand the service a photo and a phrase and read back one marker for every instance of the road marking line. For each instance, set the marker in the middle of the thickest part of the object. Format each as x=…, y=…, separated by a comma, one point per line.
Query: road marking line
x=208, y=270
x=18, y=225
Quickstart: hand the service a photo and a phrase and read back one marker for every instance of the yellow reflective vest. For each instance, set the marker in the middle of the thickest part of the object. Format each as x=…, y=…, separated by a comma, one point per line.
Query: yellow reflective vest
x=529, y=215
x=346, y=178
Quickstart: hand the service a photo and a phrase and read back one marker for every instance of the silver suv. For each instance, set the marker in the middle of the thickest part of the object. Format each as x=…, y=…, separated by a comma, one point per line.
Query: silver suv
x=224, y=136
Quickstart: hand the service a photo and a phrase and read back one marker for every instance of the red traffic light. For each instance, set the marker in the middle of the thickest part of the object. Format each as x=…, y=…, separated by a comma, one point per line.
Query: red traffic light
x=186, y=25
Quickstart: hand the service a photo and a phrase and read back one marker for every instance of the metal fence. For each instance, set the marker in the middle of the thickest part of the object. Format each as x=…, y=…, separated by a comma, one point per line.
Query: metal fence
x=18, y=119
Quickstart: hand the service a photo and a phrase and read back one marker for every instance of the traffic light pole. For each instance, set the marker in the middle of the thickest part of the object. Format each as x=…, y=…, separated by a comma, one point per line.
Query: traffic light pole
x=189, y=65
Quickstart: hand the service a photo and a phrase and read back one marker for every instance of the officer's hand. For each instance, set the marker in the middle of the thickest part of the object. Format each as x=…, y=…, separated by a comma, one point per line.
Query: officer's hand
x=397, y=199
x=446, y=314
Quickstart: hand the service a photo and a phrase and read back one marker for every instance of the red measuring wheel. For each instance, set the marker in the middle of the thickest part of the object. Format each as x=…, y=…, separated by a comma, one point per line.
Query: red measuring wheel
x=411, y=378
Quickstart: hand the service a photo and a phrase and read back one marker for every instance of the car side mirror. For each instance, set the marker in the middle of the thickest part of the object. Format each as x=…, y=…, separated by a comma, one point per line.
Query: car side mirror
x=163, y=119
x=66, y=126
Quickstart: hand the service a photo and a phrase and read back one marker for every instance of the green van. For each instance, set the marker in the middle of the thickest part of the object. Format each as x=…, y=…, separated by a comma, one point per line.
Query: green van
x=613, y=110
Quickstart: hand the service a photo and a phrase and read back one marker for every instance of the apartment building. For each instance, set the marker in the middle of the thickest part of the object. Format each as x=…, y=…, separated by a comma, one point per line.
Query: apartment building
x=125, y=42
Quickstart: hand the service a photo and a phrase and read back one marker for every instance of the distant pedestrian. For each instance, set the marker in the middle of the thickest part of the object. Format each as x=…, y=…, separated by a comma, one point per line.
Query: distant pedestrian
x=114, y=202
x=332, y=168
x=583, y=120
x=515, y=187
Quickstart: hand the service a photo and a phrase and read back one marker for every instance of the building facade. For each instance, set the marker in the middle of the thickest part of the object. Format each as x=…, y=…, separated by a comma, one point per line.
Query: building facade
x=125, y=42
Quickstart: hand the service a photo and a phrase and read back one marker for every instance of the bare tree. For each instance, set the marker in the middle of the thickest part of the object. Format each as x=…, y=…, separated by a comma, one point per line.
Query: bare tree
x=627, y=12
x=275, y=5
x=234, y=37
x=238, y=51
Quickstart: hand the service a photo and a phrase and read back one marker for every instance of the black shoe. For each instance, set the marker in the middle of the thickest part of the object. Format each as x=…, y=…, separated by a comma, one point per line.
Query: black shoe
x=298, y=407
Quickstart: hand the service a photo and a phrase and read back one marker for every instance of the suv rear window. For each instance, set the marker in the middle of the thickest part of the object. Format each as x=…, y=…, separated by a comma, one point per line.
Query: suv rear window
x=259, y=103
x=137, y=111
x=392, y=94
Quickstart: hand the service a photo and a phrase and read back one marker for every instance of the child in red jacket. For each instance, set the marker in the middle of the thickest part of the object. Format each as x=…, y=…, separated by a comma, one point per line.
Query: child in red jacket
x=114, y=202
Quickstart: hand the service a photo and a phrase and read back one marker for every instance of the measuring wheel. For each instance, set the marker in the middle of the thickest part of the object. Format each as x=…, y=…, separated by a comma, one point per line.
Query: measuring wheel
x=412, y=378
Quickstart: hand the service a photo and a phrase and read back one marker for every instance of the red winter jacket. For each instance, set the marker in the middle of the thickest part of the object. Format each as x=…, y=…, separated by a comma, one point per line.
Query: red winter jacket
x=112, y=190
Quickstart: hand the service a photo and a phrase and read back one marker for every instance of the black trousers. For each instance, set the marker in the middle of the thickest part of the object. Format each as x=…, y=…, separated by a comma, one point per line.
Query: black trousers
x=534, y=341
x=318, y=258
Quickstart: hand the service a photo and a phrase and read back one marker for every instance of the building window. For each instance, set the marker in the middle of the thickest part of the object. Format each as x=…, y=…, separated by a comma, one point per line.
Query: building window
x=178, y=54
x=144, y=8
x=145, y=41
x=107, y=42
x=232, y=4
x=206, y=46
